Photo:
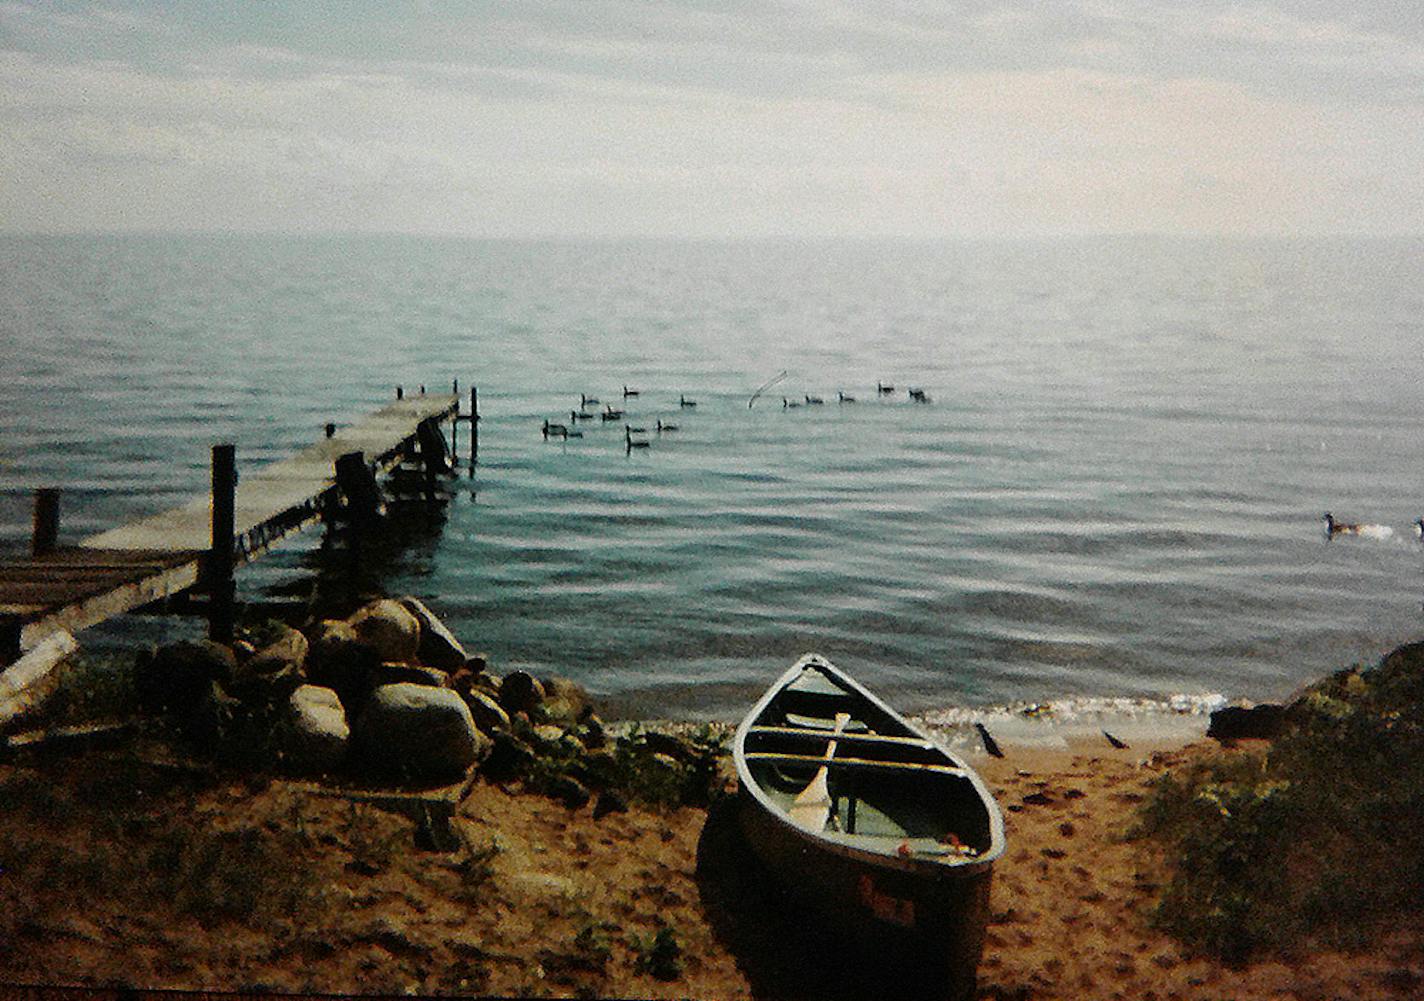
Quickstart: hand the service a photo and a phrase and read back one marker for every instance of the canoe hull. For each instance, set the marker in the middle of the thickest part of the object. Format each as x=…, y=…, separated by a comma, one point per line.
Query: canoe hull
x=935, y=918
x=904, y=862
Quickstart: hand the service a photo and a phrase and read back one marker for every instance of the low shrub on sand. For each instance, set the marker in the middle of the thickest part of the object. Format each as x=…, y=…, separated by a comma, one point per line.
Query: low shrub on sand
x=1318, y=838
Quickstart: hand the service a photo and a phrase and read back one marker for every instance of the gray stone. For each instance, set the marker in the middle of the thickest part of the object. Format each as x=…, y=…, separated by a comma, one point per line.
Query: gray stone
x=565, y=701
x=670, y=745
x=339, y=659
x=180, y=675
x=417, y=731
x=214, y=721
x=609, y=802
x=509, y=758
x=389, y=627
x=489, y=715
x=520, y=692
x=314, y=735
x=569, y=791
x=437, y=646
x=274, y=672
x=394, y=674
x=591, y=732
x=1261, y=722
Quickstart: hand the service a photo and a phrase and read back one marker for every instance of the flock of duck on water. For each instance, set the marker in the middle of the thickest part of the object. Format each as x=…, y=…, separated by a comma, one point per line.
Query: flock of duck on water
x=1334, y=528
x=881, y=389
x=564, y=431
x=609, y=414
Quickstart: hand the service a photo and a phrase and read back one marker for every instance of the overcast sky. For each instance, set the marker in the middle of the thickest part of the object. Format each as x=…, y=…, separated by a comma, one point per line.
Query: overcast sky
x=716, y=119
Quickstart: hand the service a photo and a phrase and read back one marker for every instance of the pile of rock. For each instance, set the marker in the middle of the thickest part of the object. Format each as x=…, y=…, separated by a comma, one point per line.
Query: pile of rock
x=388, y=693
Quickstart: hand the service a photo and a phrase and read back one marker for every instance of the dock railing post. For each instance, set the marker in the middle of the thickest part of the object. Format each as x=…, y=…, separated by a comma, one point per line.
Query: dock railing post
x=46, y=521
x=11, y=627
x=220, y=585
x=474, y=428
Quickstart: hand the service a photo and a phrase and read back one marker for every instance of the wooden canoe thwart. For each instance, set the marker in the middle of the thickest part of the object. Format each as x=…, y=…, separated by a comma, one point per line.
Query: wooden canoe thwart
x=884, y=832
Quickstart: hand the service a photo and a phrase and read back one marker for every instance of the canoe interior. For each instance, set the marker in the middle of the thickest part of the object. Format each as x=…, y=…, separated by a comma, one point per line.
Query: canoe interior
x=896, y=788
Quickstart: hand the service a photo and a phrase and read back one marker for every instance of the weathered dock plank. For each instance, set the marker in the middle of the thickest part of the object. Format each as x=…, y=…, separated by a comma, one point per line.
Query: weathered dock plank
x=74, y=587
x=287, y=490
x=70, y=588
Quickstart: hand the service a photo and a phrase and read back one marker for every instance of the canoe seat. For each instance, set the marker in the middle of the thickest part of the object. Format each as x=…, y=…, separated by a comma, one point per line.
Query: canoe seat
x=848, y=737
x=777, y=758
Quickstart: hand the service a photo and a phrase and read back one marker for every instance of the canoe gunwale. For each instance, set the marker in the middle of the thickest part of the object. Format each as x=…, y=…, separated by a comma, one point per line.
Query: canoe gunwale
x=848, y=845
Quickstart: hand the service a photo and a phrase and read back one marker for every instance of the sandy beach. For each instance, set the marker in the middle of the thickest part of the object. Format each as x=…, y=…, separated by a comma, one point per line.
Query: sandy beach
x=555, y=902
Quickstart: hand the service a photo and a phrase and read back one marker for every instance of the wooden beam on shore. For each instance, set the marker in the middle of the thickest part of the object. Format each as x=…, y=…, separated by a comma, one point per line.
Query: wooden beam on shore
x=29, y=682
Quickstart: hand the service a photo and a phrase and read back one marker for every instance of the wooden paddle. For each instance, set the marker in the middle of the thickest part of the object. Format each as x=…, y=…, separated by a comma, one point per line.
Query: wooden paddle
x=811, y=808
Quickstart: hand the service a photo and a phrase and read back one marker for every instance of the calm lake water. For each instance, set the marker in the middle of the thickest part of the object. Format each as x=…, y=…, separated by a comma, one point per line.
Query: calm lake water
x=1115, y=490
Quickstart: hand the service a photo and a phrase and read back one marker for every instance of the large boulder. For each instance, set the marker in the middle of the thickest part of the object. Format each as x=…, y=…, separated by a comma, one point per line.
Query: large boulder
x=217, y=721
x=565, y=701
x=520, y=692
x=488, y=714
x=1262, y=722
x=274, y=672
x=510, y=757
x=417, y=731
x=437, y=646
x=179, y=676
x=340, y=660
x=394, y=674
x=389, y=627
x=313, y=736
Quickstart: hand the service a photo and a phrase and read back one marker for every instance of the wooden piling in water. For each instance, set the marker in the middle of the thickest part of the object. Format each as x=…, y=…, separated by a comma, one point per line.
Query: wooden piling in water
x=45, y=535
x=221, y=586
x=364, y=505
x=11, y=627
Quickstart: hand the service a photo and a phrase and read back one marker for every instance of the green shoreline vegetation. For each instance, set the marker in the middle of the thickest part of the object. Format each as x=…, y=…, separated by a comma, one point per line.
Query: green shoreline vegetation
x=1315, y=838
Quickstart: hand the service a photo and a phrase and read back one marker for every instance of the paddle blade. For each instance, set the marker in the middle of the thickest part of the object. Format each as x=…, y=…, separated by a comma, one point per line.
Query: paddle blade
x=811, y=808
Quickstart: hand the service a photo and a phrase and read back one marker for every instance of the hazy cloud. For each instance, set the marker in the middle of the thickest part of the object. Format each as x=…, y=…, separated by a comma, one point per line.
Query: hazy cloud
x=724, y=119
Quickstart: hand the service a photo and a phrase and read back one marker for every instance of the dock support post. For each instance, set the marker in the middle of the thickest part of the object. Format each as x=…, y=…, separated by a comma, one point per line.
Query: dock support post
x=364, y=506
x=400, y=392
x=220, y=585
x=474, y=428
x=46, y=521
x=434, y=458
x=455, y=427
x=331, y=430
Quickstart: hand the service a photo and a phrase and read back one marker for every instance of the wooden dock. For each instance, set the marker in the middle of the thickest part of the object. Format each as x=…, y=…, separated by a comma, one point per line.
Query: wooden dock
x=73, y=587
